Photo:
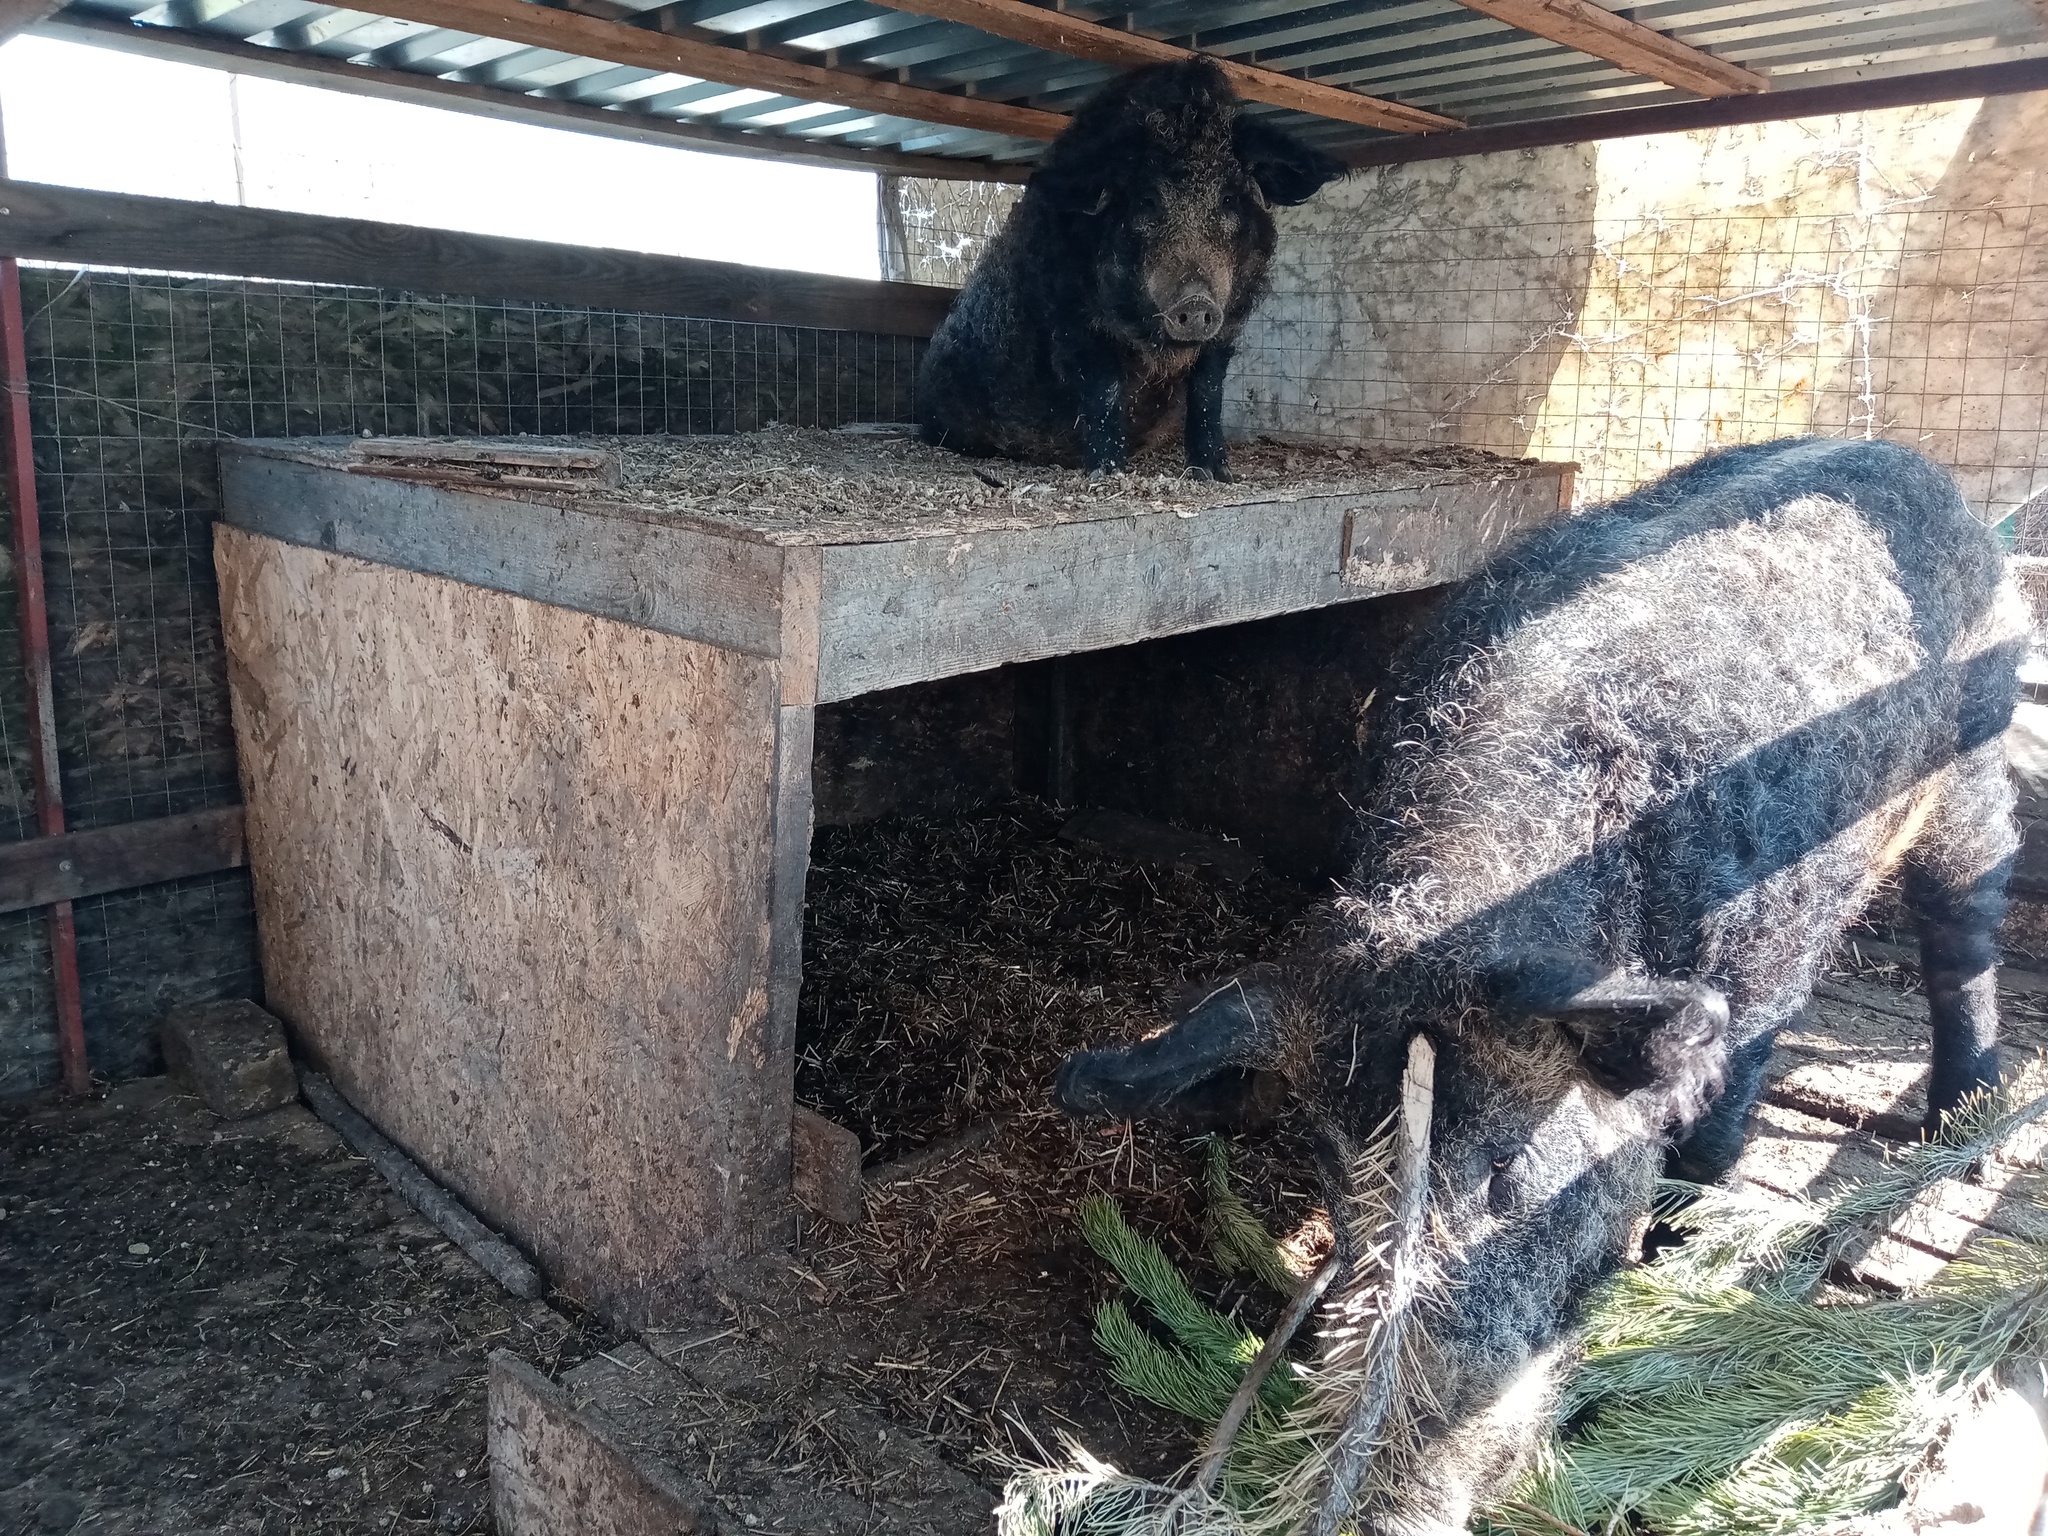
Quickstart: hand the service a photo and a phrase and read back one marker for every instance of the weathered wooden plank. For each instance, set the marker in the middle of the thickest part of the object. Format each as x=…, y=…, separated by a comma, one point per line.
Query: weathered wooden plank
x=825, y=1166
x=919, y=609
x=1793, y=1153
x=493, y=1255
x=1640, y=50
x=560, y=1469
x=74, y=865
x=1854, y=1065
x=512, y=868
x=680, y=581
x=1919, y=88
x=169, y=234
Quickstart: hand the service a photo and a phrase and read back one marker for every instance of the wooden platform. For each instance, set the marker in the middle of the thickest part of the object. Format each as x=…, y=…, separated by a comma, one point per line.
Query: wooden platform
x=526, y=733
x=866, y=560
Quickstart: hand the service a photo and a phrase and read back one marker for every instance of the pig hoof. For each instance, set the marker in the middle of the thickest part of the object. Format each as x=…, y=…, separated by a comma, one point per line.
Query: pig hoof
x=1203, y=472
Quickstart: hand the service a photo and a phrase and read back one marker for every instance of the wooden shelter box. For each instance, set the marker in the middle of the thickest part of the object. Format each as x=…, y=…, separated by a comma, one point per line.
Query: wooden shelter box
x=533, y=736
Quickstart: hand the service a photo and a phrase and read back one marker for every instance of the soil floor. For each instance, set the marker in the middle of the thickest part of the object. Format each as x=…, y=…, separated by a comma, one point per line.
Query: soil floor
x=210, y=1326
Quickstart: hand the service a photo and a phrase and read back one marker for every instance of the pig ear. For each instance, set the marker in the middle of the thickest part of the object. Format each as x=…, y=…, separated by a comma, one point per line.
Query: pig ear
x=1230, y=1026
x=1287, y=170
x=1632, y=1033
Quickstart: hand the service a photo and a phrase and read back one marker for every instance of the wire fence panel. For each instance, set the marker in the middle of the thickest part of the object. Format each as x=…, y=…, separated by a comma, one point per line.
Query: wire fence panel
x=134, y=378
x=1634, y=347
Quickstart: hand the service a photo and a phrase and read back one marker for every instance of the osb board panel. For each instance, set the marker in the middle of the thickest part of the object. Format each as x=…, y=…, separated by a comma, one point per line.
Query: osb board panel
x=512, y=866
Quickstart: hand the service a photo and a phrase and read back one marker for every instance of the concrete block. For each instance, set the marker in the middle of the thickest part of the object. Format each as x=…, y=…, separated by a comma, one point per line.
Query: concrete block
x=232, y=1055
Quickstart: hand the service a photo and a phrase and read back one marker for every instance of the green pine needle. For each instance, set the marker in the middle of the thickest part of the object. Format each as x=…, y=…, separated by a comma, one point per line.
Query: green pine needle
x=1715, y=1396
x=1238, y=1240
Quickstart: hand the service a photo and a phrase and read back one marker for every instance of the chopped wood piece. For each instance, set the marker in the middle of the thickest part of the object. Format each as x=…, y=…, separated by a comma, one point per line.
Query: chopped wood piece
x=825, y=1166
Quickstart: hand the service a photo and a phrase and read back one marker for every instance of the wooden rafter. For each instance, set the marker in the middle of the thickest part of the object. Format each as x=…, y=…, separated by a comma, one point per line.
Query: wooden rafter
x=540, y=26
x=1634, y=47
x=1057, y=32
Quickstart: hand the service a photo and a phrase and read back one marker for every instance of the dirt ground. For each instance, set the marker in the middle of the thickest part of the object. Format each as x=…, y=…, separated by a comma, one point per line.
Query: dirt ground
x=235, y=1328
x=949, y=968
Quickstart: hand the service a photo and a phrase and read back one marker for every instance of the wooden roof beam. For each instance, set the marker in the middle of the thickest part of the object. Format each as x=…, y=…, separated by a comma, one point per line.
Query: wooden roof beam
x=614, y=42
x=1628, y=44
x=1057, y=32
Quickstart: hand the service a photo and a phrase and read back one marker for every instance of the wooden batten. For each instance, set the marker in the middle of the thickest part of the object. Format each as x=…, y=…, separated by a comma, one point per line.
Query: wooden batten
x=1058, y=32
x=1640, y=50
x=162, y=234
x=37, y=871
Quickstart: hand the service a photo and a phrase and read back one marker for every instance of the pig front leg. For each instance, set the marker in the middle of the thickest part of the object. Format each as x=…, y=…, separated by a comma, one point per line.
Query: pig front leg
x=1090, y=366
x=1206, y=454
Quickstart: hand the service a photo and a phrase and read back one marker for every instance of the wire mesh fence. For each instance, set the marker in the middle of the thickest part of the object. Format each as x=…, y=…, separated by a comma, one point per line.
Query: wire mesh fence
x=134, y=378
x=1633, y=348
x=1403, y=313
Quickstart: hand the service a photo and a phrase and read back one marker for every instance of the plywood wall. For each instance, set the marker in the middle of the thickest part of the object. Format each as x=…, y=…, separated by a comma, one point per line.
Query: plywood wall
x=512, y=873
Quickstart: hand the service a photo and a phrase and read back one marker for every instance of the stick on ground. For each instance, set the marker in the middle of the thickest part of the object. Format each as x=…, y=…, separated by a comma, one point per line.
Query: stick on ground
x=496, y=1257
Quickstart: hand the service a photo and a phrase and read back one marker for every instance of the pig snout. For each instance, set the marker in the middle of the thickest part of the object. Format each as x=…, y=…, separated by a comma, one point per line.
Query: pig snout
x=1194, y=316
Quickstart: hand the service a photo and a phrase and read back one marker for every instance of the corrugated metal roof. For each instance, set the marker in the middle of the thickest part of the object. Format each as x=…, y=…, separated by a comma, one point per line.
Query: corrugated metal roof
x=1434, y=54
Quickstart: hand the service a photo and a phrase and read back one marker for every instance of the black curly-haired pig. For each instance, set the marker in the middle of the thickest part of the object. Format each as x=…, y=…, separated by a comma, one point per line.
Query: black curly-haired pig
x=1102, y=317
x=1632, y=782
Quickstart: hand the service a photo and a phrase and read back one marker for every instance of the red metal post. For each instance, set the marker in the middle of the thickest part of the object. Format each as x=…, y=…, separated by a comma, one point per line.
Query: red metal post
x=17, y=448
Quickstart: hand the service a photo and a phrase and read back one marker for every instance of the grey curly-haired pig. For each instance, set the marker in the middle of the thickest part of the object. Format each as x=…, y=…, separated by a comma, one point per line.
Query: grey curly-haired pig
x=1102, y=317
x=1633, y=782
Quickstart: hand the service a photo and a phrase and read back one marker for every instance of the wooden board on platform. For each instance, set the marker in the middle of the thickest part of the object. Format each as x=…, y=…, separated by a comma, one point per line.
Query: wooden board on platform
x=924, y=564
